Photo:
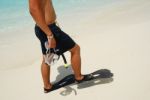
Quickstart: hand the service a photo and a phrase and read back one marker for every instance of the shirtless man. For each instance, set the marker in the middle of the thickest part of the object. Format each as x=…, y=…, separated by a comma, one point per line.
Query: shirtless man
x=44, y=15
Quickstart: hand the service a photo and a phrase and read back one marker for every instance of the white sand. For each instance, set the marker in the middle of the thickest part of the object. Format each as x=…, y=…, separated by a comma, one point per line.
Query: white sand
x=118, y=38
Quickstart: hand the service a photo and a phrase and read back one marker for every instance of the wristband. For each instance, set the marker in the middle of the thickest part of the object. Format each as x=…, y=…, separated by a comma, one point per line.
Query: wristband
x=50, y=36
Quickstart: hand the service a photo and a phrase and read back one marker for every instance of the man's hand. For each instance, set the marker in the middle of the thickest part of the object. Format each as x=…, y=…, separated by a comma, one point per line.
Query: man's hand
x=51, y=42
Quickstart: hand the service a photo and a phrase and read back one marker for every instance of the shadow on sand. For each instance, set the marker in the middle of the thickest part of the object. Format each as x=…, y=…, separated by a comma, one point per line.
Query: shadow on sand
x=63, y=72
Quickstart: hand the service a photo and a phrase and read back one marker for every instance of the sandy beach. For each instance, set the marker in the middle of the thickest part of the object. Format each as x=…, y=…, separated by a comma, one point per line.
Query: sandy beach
x=115, y=37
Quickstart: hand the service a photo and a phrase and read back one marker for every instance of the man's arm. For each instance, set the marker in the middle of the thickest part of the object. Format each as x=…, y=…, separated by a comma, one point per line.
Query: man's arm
x=37, y=12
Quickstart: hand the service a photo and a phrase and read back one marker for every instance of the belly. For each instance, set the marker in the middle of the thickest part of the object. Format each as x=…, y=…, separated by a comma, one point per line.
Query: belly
x=50, y=15
x=50, y=18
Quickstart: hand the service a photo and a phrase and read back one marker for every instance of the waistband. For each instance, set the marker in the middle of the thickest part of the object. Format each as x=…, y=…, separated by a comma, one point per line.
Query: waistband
x=52, y=25
x=49, y=25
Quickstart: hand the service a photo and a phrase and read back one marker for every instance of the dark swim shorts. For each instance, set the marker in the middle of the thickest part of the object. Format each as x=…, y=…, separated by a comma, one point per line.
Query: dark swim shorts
x=63, y=41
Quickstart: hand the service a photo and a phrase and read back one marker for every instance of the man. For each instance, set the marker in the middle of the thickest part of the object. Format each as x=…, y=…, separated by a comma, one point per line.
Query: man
x=44, y=15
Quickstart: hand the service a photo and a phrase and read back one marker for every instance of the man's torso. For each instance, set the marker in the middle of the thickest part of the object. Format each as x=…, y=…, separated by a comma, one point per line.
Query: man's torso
x=50, y=15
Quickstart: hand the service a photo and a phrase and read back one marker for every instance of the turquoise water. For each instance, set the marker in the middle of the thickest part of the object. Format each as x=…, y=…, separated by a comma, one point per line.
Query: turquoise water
x=14, y=13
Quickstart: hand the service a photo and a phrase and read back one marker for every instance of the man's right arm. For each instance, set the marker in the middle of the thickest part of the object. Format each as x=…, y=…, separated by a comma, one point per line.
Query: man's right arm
x=37, y=12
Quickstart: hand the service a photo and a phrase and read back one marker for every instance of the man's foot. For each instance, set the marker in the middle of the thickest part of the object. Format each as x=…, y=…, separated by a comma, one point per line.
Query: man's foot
x=47, y=89
x=87, y=77
x=51, y=88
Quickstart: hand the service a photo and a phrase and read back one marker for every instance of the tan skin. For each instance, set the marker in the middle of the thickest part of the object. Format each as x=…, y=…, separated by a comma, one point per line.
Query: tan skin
x=44, y=14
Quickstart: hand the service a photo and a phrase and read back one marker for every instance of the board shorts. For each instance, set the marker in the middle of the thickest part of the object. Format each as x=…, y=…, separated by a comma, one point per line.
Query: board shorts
x=63, y=41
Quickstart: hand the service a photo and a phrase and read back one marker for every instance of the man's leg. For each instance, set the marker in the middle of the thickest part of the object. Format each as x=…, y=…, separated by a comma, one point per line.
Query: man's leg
x=45, y=70
x=76, y=62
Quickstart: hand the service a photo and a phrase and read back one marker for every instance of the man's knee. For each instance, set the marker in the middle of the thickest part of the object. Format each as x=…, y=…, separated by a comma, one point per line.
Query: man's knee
x=75, y=49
